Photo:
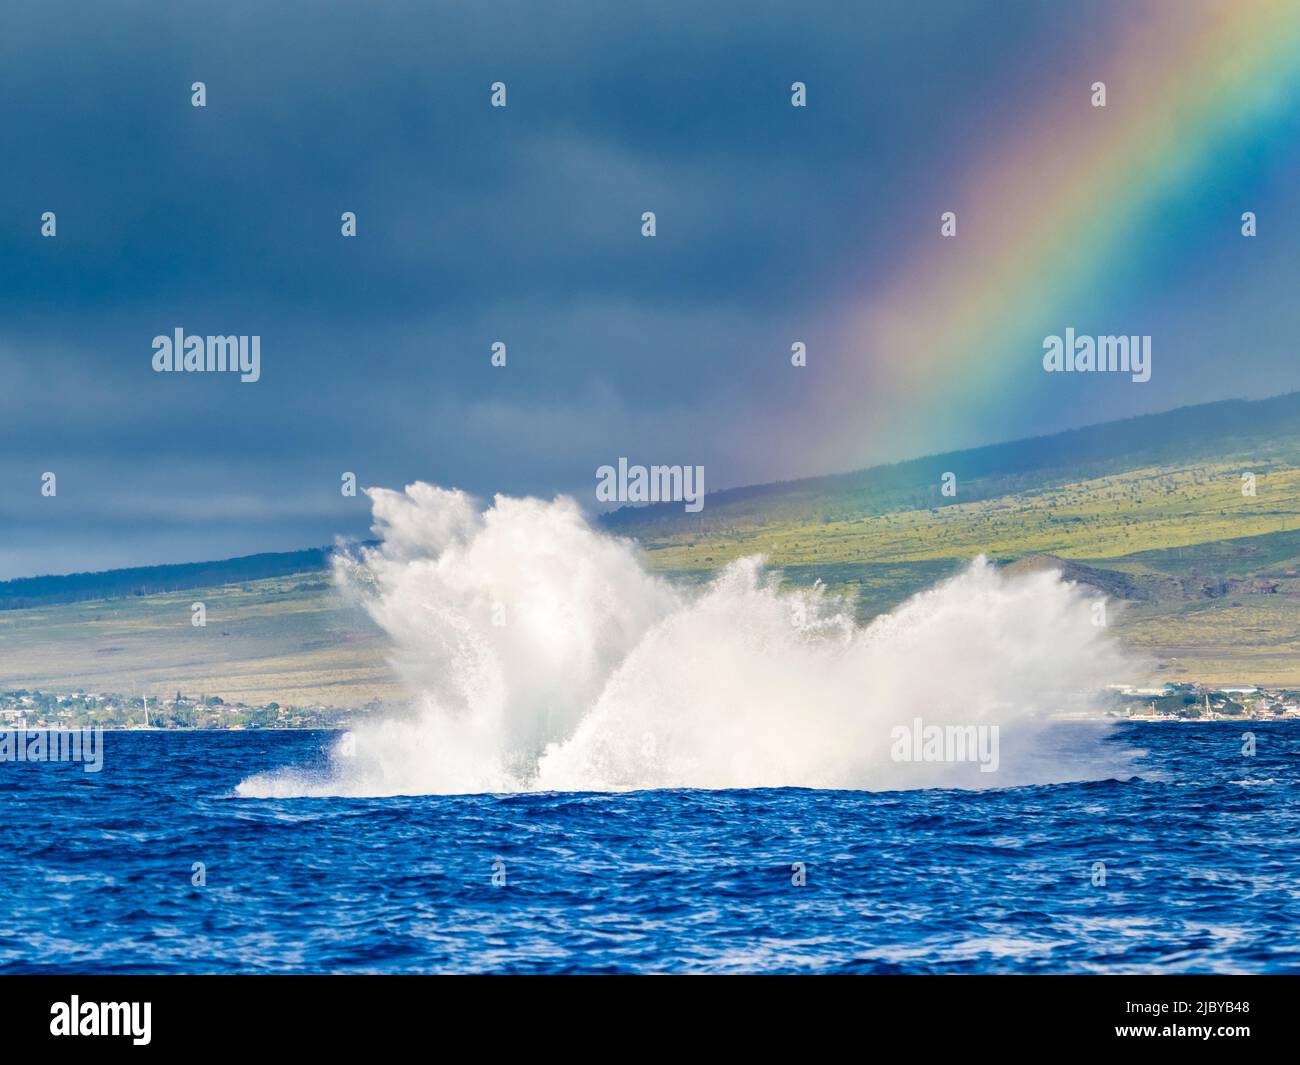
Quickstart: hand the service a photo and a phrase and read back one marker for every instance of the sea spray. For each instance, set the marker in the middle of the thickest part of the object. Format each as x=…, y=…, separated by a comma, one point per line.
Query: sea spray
x=541, y=654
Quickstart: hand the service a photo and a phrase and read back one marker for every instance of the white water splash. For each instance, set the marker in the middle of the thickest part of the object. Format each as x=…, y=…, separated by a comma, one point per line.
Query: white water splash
x=542, y=655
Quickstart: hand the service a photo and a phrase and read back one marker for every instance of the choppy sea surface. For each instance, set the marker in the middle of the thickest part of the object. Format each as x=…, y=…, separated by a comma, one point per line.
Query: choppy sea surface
x=1201, y=855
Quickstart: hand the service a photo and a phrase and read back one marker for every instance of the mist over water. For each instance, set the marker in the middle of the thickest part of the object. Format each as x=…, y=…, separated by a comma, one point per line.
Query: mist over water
x=542, y=655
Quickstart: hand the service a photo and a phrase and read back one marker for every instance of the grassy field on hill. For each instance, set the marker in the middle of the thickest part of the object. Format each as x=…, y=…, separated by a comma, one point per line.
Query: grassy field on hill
x=1151, y=511
x=288, y=639
x=1208, y=577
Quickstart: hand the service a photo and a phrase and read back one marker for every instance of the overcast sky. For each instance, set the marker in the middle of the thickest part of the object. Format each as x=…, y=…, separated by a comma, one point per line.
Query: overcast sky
x=519, y=224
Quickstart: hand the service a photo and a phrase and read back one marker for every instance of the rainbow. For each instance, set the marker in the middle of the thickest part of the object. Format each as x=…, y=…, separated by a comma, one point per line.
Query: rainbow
x=1051, y=217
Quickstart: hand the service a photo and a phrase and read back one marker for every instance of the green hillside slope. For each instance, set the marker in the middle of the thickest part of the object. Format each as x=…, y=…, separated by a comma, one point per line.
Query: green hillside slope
x=1150, y=510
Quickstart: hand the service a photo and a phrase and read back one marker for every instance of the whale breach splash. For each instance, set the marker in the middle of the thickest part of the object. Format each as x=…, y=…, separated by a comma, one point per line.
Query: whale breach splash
x=542, y=655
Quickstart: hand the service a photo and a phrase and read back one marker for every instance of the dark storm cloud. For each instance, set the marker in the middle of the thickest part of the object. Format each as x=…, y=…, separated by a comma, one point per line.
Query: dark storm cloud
x=475, y=225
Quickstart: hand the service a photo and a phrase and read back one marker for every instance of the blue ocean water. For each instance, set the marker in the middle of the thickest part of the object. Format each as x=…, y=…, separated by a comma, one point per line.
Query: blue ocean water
x=1201, y=855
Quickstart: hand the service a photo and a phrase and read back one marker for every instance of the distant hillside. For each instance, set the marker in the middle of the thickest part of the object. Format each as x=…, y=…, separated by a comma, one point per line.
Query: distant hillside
x=1150, y=511
x=154, y=580
x=1155, y=512
x=1267, y=432
x=1263, y=429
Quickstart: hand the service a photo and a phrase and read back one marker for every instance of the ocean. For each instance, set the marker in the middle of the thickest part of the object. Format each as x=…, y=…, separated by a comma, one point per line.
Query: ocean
x=157, y=865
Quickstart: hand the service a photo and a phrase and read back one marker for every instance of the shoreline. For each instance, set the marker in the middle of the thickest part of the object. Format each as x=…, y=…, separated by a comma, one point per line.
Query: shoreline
x=1113, y=719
